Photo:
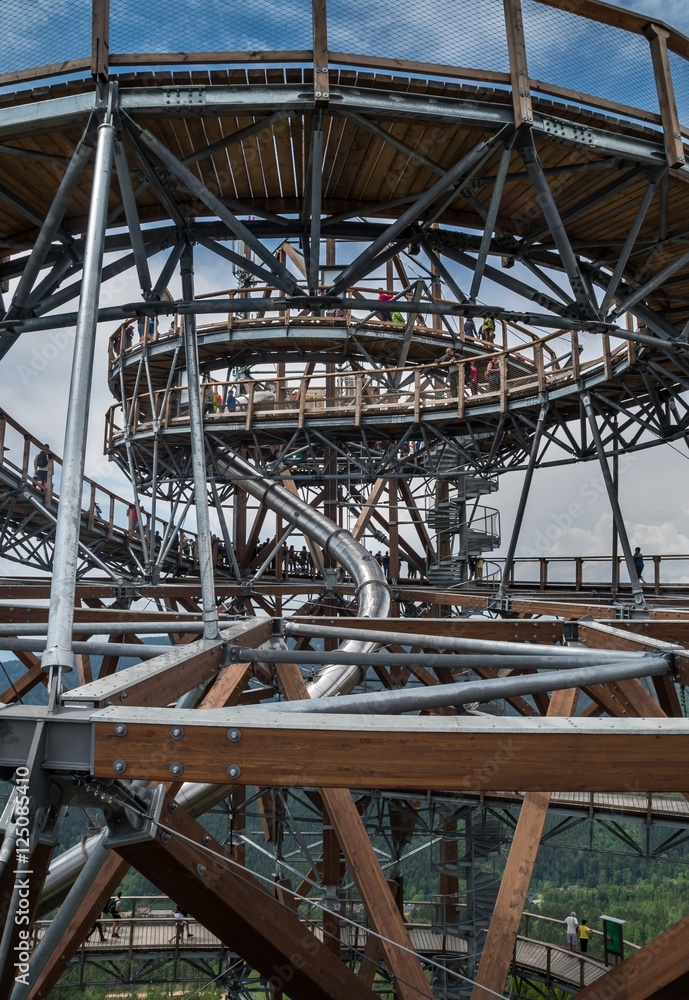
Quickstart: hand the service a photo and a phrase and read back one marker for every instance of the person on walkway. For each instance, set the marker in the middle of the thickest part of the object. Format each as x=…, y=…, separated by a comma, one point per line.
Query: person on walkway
x=97, y=926
x=488, y=330
x=493, y=374
x=470, y=328
x=384, y=296
x=114, y=910
x=43, y=468
x=133, y=521
x=181, y=924
x=571, y=929
x=478, y=567
x=639, y=564
x=584, y=937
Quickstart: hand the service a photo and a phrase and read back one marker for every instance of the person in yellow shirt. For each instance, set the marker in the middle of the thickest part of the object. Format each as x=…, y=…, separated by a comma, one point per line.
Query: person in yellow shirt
x=583, y=936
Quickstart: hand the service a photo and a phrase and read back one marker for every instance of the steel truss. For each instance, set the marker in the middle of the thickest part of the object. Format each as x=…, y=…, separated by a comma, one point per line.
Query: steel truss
x=445, y=233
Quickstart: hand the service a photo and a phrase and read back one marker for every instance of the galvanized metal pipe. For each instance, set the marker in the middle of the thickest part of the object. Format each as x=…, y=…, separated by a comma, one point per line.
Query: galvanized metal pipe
x=198, y=455
x=456, y=644
x=58, y=652
x=142, y=651
x=116, y=627
x=462, y=661
x=442, y=695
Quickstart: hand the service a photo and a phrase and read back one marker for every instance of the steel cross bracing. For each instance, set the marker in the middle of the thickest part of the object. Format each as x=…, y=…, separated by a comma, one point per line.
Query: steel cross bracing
x=623, y=288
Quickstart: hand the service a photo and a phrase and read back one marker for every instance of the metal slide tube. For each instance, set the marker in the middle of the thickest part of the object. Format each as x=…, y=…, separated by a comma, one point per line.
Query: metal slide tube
x=454, y=644
x=58, y=651
x=374, y=602
x=441, y=695
x=372, y=590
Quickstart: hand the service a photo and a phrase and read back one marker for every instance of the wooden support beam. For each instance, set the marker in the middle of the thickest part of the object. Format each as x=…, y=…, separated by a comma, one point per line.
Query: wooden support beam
x=514, y=885
x=674, y=145
x=519, y=72
x=379, y=903
x=659, y=970
x=400, y=753
x=100, y=39
x=228, y=687
x=321, y=76
x=369, y=506
x=22, y=685
x=599, y=636
x=164, y=678
x=234, y=906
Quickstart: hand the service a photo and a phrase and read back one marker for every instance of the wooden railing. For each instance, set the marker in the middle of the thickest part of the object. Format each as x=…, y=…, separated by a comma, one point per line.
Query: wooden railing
x=19, y=448
x=450, y=386
x=147, y=923
x=662, y=40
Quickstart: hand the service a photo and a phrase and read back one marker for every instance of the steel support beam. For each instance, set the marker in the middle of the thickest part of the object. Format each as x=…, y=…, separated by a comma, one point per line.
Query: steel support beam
x=198, y=453
x=637, y=589
x=59, y=639
x=523, y=497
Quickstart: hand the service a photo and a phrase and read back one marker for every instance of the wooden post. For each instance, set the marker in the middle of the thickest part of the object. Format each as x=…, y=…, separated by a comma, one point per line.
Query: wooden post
x=519, y=72
x=674, y=145
x=100, y=39
x=514, y=885
x=321, y=81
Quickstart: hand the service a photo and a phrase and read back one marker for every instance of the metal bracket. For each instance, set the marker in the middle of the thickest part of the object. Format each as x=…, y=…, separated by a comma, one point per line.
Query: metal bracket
x=500, y=602
x=625, y=612
x=567, y=132
x=126, y=824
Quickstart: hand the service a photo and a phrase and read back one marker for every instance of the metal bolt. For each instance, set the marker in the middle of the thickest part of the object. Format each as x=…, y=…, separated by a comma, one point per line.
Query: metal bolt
x=120, y=729
x=123, y=696
x=326, y=94
x=234, y=771
x=200, y=869
x=165, y=837
x=176, y=769
x=318, y=93
x=206, y=838
x=172, y=806
x=119, y=766
x=177, y=732
x=235, y=735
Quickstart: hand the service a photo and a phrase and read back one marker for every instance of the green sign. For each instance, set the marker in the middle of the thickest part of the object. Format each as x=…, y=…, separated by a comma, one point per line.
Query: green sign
x=613, y=931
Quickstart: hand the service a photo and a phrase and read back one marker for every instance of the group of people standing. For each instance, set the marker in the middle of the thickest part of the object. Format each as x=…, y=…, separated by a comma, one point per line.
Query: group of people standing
x=577, y=933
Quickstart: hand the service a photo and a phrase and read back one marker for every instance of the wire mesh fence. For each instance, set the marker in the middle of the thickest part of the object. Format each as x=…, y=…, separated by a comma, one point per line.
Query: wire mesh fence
x=42, y=32
x=468, y=33
x=570, y=51
x=680, y=79
x=209, y=26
